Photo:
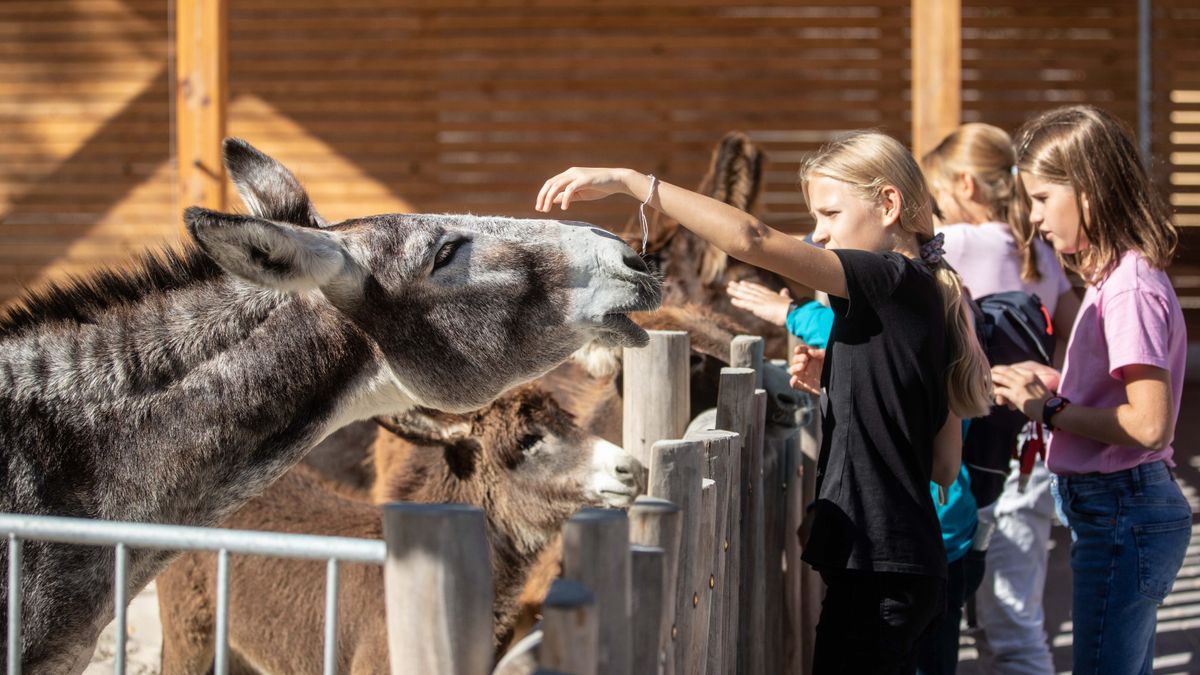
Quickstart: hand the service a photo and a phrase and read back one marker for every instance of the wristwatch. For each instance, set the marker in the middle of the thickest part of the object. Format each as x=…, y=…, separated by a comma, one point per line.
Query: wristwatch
x=1051, y=407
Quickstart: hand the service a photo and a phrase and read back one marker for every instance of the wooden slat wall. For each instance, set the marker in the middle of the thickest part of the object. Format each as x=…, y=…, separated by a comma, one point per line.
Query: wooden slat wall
x=466, y=105
x=1176, y=136
x=1021, y=57
x=1176, y=108
x=85, y=139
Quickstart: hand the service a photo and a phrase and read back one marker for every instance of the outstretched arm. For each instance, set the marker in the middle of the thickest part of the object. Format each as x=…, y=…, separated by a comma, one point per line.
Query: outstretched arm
x=735, y=232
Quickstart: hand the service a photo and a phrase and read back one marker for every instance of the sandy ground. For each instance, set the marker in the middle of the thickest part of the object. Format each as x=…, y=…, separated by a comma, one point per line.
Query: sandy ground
x=144, y=647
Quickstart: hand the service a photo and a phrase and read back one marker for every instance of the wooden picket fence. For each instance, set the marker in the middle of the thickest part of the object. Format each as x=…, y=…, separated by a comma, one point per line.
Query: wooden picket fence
x=702, y=575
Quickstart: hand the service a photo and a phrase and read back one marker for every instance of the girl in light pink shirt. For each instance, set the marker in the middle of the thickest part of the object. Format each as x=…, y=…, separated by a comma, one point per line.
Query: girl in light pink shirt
x=1118, y=397
x=990, y=242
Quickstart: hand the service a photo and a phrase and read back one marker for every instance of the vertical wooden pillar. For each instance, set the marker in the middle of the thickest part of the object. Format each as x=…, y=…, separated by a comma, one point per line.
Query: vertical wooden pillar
x=936, y=71
x=201, y=99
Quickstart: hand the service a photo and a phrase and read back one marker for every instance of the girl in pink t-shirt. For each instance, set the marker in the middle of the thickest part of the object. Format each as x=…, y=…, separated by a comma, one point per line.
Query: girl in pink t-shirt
x=1118, y=397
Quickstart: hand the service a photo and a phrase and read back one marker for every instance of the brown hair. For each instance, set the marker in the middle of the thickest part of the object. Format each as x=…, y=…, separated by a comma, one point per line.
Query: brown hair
x=986, y=154
x=1092, y=151
x=869, y=161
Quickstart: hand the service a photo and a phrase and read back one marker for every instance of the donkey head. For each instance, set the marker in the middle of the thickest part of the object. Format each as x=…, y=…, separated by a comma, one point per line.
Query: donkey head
x=460, y=307
x=523, y=456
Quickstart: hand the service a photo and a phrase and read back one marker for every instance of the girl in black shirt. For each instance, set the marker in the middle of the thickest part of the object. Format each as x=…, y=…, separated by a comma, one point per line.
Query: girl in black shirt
x=901, y=370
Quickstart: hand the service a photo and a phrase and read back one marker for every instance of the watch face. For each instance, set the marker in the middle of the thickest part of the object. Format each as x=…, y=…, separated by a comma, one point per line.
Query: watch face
x=1054, y=402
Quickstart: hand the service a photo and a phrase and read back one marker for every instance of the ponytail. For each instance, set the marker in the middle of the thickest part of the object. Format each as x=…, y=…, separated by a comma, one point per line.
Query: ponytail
x=986, y=154
x=969, y=385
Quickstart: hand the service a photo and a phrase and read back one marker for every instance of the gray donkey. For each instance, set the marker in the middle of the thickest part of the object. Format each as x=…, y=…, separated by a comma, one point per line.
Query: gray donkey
x=176, y=392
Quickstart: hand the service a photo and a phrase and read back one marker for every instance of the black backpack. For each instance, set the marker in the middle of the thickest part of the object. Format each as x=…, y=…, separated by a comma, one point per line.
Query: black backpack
x=1012, y=327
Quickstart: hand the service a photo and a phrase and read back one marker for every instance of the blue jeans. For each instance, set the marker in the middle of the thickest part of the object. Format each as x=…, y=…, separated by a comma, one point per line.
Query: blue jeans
x=1130, y=531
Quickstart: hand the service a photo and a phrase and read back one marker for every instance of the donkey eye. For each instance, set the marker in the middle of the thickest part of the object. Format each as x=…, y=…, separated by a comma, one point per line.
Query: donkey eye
x=531, y=443
x=445, y=254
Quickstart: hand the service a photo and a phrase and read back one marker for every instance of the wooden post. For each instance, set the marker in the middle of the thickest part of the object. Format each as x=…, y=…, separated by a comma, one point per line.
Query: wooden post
x=697, y=661
x=779, y=537
x=649, y=579
x=735, y=412
x=657, y=396
x=657, y=522
x=936, y=71
x=746, y=351
x=438, y=589
x=812, y=589
x=569, y=629
x=201, y=96
x=793, y=663
x=675, y=473
x=596, y=554
x=751, y=629
x=720, y=450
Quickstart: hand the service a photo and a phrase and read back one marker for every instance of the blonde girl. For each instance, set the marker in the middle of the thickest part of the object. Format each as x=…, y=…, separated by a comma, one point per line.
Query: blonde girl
x=1114, y=408
x=973, y=177
x=902, y=368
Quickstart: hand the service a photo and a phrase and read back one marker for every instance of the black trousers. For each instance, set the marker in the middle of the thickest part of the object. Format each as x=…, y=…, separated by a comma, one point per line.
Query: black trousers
x=871, y=621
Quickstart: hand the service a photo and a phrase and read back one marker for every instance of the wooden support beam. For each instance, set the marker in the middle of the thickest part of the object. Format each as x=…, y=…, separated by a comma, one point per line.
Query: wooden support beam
x=201, y=96
x=936, y=71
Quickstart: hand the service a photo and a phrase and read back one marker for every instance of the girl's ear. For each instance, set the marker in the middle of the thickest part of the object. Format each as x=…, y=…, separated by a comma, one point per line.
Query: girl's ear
x=967, y=188
x=891, y=204
x=1087, y=208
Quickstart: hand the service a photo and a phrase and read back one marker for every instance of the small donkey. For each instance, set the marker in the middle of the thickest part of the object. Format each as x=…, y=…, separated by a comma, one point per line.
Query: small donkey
x=522, y=459
x=176, y=392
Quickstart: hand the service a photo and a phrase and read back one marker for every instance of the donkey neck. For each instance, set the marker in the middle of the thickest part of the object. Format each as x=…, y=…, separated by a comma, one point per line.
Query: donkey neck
x=183, y=404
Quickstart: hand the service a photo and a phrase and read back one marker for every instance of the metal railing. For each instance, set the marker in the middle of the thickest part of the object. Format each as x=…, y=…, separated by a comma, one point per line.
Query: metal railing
x=122, y=536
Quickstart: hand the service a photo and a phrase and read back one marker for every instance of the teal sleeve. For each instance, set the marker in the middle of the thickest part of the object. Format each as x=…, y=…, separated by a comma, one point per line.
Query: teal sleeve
x=812, y=323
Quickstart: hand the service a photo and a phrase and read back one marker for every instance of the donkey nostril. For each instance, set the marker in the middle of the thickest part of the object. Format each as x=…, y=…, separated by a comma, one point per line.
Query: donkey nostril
x=634, y=261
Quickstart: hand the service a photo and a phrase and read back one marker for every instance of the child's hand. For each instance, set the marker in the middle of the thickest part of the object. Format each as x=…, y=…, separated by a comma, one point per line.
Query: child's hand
x=807, y=363
x=760, y=301
x=1049, y=376
x=580, y=184
x=1020, y=389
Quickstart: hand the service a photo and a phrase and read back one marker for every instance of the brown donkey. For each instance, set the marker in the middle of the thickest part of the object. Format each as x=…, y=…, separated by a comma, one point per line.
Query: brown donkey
x=521, y=459
x=176, y=392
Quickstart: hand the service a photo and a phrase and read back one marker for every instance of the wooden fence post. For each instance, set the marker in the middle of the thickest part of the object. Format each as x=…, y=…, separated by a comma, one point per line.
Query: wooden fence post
x=751, y=629
x=569, y=629
x=648, y=567
x=812, y=589
x=676, y=469
x=697, y=661
x=596, y=554
x=720, y=450
x=735, y=412
x=657, y=397
x=657, y=522
x=438, y=589
x=746, y=351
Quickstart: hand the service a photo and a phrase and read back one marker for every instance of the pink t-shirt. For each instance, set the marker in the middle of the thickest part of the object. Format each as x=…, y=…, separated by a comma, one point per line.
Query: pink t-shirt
x=986, y=258
x=1131, y=317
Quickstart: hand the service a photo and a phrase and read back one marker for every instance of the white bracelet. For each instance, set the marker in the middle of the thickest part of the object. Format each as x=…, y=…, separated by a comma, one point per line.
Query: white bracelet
x=642, y=212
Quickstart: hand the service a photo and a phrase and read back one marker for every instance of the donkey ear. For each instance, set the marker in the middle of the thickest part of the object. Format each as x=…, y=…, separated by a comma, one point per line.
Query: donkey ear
x=268, y=189
x=273, y=255
x=425, y=425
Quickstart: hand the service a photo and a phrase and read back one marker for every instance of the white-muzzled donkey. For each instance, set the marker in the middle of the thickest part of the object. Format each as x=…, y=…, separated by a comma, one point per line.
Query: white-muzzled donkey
x=175, y=392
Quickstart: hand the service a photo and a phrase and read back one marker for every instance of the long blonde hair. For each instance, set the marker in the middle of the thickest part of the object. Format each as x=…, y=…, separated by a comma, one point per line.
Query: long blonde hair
x=1093, y=152
x=986, y=154
x=869, y=161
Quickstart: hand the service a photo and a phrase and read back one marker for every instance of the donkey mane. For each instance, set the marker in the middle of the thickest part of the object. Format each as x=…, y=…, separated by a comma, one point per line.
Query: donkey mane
x=734, y=177
x=82, y=298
